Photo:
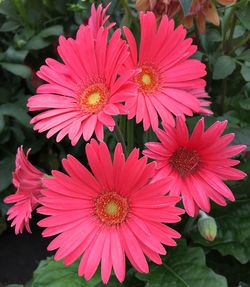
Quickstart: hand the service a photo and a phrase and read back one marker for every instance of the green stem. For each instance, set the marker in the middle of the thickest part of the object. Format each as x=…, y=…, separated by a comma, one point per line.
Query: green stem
x=123, y=124
x=189, y=225
x=120, y=138
x=197, y=34
x=222, y=96
x=130, y=135
x=240, y=43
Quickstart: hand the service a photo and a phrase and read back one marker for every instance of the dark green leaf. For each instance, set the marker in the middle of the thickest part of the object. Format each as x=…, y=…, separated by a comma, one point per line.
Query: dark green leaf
x=186, y=5
x=13, y=55
x=36, y=43
x=245, y=104
x=238, y=31
x=184, y=267
x=224, y=66
x=245, y=55
x=13, y=110
x=56, y=30
x=243, y=15
x=242, y=136
x=245, y=72
x=52, y=273
x=9, y=26
x=6, y=167
x=17, y=69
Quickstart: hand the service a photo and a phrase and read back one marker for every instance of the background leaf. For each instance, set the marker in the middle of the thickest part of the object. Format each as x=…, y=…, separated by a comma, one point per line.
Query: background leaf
x=15, y=111
x=183, y=267
x=52, y=273
x=17, y=69
x=224, y=66
x=6, y=167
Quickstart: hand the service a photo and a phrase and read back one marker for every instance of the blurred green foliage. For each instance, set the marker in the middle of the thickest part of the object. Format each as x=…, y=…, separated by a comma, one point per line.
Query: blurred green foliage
x=29, y=33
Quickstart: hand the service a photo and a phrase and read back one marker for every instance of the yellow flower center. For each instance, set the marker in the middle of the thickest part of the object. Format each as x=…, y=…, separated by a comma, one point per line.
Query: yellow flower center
x=111, y=208
x=93, y=98
x=147, y=79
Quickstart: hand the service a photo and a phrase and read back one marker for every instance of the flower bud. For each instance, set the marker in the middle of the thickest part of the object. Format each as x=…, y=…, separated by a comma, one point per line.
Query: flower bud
x=207, y=227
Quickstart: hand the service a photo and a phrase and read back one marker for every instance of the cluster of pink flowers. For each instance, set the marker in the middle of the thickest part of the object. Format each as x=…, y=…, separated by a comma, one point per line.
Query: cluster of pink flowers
x=121, y=207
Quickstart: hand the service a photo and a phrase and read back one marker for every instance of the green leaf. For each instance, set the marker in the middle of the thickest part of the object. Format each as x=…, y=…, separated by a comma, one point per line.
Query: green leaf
x=52, y=273
x=224, y=66
x=184, y=267
x=9, y=26
x=233, y=237
x=56, y=30
x=14, y=285
x=36, y=43
x=244, y=56
x=243, y=15
x=242, y=136
x=245, y=72
x=17, y=69
x=238, y=31
x=245, y=104
x=7, y=165
x=13, y=55
x=186, y=5
x=15, y=111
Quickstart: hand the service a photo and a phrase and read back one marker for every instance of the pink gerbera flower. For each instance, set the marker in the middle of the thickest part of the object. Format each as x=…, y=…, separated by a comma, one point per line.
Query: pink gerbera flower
x=199, y=163
x=167, y=76
x=108, y=214
x=28, y=182
x=84, y=93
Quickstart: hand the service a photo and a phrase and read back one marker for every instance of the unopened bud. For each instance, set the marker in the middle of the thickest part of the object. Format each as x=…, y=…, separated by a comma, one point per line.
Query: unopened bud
x=207, y=226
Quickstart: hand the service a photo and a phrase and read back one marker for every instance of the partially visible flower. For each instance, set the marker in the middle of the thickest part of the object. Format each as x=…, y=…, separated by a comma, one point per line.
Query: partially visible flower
x=202, y=10
x=108, y=214
x=98, y=18
x=203, y=97
x=28, y=181
x=84, y=93
x=168, y=77
x=199, y=164
x=159, y=7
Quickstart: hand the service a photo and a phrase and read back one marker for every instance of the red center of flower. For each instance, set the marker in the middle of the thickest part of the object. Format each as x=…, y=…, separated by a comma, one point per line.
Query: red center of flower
x=184, y=161
x=93, y=98
x=147, y=79
x=111, y=208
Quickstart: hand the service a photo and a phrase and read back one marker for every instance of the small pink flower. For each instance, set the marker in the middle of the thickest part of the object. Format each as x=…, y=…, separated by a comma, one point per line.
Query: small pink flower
x=168, y=77
x=84, y=93
x=199, y=163
x=28, y=182
x=109, y=213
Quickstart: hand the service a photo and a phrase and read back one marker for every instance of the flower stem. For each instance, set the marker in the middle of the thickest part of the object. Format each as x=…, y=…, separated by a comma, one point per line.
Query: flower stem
x=130, y=135
x=189, y=225
x=122, y=124
x=120, y=138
